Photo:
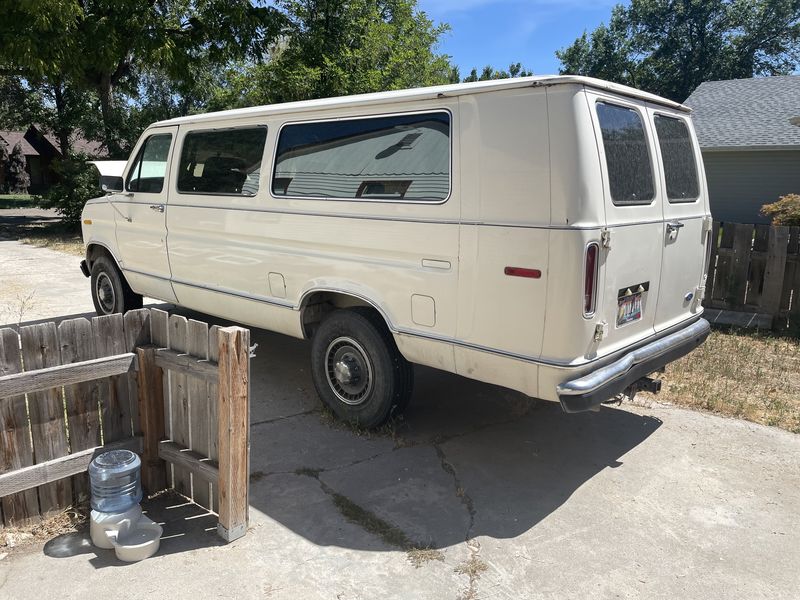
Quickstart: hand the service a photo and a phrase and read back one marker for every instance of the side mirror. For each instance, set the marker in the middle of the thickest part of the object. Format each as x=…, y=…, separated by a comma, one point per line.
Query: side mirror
x=111, y=184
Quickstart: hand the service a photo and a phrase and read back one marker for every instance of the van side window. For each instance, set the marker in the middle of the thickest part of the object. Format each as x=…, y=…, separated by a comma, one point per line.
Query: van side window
x=630, y=174
x=222, y=161
x=677, y=154
x=147, y=173
x=402, y=158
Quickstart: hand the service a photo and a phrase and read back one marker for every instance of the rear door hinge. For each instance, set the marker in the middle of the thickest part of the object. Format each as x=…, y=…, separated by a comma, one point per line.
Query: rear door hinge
x=708, y=224
x=600, y=331
x=605, y=238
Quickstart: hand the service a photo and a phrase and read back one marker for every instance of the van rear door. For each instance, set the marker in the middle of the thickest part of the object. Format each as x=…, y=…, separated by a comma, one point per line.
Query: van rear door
x=686, y=225
x=631, y=259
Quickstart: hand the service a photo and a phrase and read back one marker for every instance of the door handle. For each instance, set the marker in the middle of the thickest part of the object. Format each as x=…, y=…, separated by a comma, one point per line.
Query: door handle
x=673, y=226
x=157, y=207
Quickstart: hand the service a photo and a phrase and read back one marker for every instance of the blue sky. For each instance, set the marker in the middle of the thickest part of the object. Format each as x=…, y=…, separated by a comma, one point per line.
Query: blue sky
x=499, y=32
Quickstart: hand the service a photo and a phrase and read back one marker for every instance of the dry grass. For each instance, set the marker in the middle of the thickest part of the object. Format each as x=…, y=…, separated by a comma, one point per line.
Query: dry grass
x=72, y=519
x=740, y=374
x=71, y=243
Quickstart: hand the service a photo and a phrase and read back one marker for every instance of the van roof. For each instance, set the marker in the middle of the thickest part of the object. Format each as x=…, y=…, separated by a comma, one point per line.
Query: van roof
x=457, y=89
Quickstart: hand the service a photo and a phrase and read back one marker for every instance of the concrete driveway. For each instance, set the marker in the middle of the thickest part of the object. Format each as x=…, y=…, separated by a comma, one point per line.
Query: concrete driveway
x=477, y=493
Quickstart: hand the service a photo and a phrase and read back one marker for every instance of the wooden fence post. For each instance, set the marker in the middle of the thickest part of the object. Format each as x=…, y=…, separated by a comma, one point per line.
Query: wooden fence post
x=151, y=417
x=234, y=431
x=777, y=247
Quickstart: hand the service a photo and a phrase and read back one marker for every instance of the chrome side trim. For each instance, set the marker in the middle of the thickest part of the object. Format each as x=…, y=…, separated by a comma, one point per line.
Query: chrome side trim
x=604, y=375
x=230, y=292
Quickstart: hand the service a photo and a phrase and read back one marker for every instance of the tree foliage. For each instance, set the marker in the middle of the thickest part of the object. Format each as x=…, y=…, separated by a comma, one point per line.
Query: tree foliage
x=103, y=46
x=786, y=211
x=488, y=72
x=338, y=47
x=77, y=182
x=669, y=47
x=17, y=179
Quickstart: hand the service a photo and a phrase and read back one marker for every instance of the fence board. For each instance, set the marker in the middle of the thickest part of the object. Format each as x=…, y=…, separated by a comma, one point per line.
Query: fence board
x=178, y=332
x=234, y=431
x=136, y=324
x=159, y=332
x=116, y=406
x=199, y=401
x=15, y=443
x=712, y=262
x=213, y=411
x=742, y=245
x=775, y=270
x=82, y=400
x=48, y=428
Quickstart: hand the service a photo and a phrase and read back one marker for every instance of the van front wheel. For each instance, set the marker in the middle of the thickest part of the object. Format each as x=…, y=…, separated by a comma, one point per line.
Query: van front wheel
x=358, y=371
x=110, y=292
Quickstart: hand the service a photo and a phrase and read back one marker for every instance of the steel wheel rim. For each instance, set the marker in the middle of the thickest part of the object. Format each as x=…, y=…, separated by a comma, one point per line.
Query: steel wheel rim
x=104, y=292
x=348, y=370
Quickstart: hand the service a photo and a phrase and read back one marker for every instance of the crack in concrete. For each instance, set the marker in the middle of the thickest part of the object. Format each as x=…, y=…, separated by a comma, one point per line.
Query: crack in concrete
x=474, y=566
x=283, y=418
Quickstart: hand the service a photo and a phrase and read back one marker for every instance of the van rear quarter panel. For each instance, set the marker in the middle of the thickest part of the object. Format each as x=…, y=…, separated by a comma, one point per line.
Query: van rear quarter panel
x=505, y=205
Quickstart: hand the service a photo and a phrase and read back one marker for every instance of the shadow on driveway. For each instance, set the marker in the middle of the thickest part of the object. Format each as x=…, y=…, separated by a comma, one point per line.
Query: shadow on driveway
x=467, y=459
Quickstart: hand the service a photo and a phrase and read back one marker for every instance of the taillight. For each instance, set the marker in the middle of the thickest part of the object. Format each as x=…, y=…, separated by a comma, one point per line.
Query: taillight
x=590, y=279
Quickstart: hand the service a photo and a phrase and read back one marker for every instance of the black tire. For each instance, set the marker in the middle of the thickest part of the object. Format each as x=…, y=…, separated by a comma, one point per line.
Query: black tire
x=110, y=292
x=358, y=371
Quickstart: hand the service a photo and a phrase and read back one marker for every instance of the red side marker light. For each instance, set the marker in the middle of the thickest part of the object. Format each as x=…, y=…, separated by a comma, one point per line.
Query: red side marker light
x=522, y=272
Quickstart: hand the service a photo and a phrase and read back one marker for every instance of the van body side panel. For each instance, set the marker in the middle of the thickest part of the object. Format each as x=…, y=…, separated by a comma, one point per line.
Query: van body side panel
x=401, y=257
x=506, y=209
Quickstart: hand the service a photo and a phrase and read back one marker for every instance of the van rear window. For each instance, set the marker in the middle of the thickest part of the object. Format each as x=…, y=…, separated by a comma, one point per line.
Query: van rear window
x=630, y=173
x=397, y=158
x=222, y=161
x=677, y=154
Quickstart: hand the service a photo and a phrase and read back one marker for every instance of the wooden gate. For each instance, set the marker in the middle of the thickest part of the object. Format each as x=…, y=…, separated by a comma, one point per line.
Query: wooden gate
x=172, y=389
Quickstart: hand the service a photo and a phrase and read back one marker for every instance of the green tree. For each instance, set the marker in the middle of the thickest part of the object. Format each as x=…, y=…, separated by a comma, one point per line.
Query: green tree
x=514, y=70
x=77, y=183
x=338, y=47
x=17, y=179
x=104, y=45
x=669, y=47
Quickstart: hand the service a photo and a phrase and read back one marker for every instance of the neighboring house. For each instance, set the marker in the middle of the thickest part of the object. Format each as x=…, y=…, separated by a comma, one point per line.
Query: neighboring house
x=40, y=149
x=751, y=148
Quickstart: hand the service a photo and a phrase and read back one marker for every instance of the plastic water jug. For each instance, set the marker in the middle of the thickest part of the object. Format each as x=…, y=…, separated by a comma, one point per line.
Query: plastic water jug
x=115, y=480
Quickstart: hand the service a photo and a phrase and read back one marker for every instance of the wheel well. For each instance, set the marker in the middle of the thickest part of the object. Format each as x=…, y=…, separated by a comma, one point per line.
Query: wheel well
x=94, y=251
x=317, y=305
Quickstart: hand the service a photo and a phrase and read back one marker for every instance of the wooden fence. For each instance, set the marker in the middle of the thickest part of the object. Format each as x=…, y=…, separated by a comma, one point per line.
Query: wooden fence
x=755, y=270
x=172, y=389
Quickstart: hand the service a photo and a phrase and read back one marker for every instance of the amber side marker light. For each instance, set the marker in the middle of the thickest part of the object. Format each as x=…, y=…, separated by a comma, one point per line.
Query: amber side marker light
x=87, y=221
x=522, y=272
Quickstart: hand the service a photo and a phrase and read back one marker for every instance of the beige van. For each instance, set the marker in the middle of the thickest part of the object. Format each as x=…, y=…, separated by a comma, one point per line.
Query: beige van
x=546, y=234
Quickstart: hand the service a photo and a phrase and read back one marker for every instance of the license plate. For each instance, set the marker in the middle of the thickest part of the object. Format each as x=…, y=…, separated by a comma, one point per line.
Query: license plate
x=629, y=308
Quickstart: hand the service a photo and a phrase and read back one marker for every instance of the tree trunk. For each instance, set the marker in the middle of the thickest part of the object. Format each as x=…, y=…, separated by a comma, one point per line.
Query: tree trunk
x=62, y=132
x=105, y=92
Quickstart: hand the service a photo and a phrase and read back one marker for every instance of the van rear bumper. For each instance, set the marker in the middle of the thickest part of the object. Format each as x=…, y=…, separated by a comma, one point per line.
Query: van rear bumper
x=599, y=386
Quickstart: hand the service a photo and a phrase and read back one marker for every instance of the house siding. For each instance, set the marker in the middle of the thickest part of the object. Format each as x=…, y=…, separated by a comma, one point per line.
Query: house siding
x=741, y=182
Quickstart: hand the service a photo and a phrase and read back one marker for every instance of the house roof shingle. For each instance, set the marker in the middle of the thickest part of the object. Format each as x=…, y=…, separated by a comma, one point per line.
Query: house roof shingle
x=12, y=138
x=747, y=113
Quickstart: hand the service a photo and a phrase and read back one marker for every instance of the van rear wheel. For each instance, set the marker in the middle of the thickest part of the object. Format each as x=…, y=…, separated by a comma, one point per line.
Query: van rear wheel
x=358, y=371
x=110, y=292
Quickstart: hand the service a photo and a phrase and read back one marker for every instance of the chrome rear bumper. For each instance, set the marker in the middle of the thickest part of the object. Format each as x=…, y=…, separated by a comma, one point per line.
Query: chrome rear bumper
x=603, y=384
